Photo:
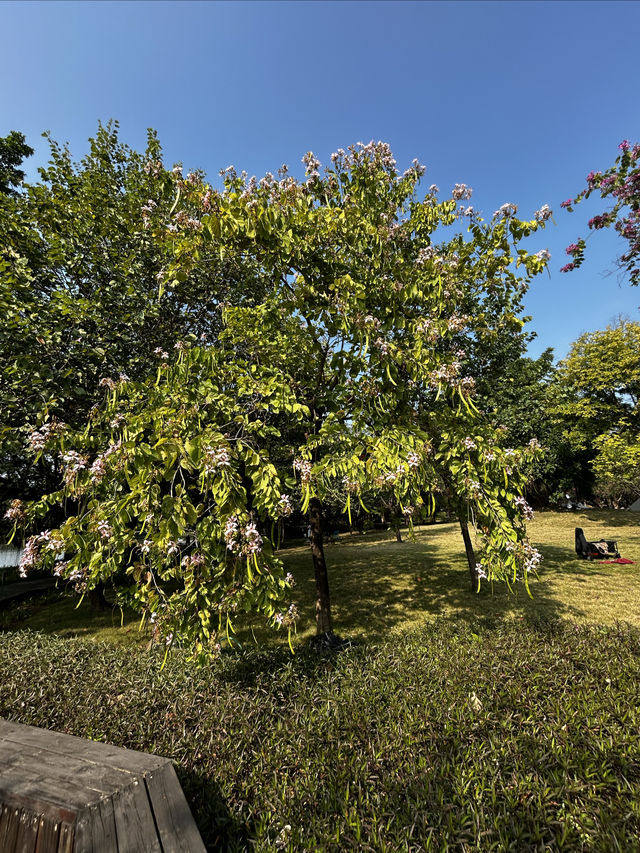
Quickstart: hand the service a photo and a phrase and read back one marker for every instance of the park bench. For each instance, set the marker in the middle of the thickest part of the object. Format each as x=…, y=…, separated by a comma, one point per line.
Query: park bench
x=64, y=794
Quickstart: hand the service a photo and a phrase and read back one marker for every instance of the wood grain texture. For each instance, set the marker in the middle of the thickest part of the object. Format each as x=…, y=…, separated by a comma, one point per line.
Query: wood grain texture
x=48, y=835
x=135, y=826
x=27, y=832
x=176, y=827
x=9, y=821
x=63, y=794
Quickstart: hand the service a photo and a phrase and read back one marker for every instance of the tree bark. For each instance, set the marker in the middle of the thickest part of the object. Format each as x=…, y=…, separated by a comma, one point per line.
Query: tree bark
x=324, y=624
x=97, y=597
x=471, y=557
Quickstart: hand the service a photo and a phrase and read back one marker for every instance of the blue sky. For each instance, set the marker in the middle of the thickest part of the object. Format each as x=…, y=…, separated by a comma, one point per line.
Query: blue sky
x=520, y=100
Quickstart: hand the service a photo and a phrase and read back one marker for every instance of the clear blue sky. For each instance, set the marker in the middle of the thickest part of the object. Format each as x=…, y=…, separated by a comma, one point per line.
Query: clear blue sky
x=520, y=100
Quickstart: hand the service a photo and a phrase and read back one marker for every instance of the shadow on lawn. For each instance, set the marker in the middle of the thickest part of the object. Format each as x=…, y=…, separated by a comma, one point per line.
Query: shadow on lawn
x=430, y=585
x=219, y=828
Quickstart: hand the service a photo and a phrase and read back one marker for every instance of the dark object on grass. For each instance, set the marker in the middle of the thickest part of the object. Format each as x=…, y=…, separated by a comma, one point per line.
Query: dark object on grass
x=329, y=642
x=600, y=550
x=64, y=793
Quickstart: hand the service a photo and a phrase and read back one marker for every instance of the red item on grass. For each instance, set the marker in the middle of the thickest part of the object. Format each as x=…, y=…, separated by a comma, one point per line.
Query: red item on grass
x=622, y=560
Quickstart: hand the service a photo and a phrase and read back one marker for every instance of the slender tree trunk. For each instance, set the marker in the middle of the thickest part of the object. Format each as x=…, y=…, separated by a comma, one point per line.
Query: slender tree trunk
x=398, y=533
x=97, y=597
x=324, y=624
x=471, y=557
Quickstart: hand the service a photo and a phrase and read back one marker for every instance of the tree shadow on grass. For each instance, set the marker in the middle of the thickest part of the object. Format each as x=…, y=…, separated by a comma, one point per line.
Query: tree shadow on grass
x=220, y=829
x=603, y=518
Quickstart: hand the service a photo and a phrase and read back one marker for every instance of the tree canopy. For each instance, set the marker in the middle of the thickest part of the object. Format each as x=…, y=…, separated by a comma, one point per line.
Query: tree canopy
x=341, y=359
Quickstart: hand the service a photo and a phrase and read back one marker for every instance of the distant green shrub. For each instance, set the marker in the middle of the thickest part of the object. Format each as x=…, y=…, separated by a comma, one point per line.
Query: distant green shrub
x=513, y=737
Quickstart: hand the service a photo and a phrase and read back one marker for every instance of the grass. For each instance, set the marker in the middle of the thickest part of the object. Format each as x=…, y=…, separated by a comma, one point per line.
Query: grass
x=444, y=738
x=459, y=722
x=380, y=586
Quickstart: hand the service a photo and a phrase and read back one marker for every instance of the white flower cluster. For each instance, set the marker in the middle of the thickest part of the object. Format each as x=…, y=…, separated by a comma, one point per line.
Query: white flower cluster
x=469, y=443
x=390, y=478
x=533, y=557
x=15, y=512
x=161, y=353
x=107, y=382
x=544, y=213
x=193, y=561
x=246, y=540
x=104, y=529
x=147, y=210
x=312, y=165
x=30, y=556
x=543, y=255
x=287, y=619
x=426, y=254
x=98, y=469
x=215, y=458
x=505, y=211
x=413, y=459
x=285, y=506
x=456, y=323
x=304, y=467
x=39, y=437
x=523, y=508
x=73, y=462
x=153, y=167
x=461, y=191
x=350, y=486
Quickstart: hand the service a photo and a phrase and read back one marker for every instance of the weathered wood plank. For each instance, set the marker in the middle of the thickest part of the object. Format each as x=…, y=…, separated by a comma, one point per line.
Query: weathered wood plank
x=48, y=835
x=135, y=826
x=101, y=754
x=9, y=821
x=62, y=793
x=65, y=843
x=176, y=826
x=27, y=832
x=50, y=811
x=102, y=779
x=96, y=828
x=35, y=788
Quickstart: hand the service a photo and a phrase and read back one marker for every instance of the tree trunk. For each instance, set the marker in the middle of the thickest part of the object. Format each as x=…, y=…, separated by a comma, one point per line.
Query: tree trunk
x=398, y=534
x=97, y=597
x=323, y=600
x=471, y=557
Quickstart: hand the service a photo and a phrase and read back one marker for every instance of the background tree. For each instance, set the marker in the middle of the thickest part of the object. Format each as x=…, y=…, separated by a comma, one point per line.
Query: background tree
x=600, y=384
x=80, y=273
x=13, y=150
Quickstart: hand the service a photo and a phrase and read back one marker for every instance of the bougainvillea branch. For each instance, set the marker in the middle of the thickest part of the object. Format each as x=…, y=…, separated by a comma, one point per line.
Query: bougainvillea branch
x=621, y=183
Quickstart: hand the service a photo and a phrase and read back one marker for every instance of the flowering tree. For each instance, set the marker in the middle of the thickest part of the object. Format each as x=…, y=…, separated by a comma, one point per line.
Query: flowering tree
x=357, y=352
x=621, y=183
x=79, y=267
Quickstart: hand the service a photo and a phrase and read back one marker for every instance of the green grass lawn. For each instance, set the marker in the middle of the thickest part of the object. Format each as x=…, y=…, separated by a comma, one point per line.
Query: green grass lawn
x=460, y=722
x=380, y=586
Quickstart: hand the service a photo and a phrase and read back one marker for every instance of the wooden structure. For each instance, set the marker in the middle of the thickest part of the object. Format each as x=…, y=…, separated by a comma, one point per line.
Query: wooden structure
x=63, y=794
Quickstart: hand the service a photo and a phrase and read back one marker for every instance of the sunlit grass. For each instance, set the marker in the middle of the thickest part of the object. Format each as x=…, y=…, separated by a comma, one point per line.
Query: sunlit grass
x=380, y=586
